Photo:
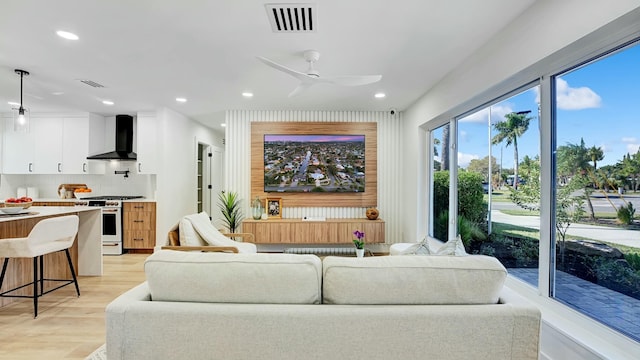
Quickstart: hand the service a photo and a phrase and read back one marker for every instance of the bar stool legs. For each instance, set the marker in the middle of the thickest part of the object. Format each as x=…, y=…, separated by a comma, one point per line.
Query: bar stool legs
x=38, y=278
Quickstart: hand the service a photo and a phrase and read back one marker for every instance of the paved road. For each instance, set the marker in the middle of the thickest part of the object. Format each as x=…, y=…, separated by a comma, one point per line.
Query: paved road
x=604, y=233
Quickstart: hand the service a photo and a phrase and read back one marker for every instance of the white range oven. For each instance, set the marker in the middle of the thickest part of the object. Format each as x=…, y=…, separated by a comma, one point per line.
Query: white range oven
x=111, y=220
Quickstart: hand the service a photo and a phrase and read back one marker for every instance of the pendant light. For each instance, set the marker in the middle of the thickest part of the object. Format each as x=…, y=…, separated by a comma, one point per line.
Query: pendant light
x=21, y=115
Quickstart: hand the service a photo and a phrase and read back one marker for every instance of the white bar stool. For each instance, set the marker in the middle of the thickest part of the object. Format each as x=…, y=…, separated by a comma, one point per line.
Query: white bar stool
x=47, y=236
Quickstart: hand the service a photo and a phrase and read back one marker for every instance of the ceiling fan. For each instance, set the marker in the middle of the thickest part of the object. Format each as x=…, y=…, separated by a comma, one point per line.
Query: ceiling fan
x=312, y=76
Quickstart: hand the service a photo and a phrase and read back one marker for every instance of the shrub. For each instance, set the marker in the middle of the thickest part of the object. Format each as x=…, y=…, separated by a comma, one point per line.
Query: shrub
x=469, y=231
x=471, y=203
x=633, y=260
x=618, y=276
x=626, y=214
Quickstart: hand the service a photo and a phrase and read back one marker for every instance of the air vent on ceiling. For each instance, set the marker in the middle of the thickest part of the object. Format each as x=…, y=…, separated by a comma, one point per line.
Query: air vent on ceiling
x=292, y=18
x=91, y=83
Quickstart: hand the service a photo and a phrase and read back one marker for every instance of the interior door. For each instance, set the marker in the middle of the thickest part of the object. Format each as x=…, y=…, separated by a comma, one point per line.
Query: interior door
x=216, y=172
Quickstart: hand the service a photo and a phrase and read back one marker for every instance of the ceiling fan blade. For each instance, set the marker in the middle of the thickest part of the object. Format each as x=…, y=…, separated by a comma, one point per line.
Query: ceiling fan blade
x=347, y=80
x=301, y=88
x=298, y=75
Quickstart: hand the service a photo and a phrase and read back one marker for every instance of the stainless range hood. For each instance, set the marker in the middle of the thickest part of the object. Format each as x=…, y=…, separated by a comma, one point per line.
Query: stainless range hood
x=124, y=141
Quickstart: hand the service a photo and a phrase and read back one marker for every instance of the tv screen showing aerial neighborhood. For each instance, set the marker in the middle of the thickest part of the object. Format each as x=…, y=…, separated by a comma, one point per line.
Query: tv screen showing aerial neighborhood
x=314, y=163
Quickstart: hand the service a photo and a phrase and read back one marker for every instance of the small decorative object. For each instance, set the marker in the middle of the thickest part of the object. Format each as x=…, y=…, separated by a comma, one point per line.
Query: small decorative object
x=257, y=209
x=274, y=208
x=359, y=243
x=372, y=213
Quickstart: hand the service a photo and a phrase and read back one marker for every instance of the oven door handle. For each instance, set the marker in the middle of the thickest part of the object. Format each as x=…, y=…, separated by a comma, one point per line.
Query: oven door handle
x=110, y=210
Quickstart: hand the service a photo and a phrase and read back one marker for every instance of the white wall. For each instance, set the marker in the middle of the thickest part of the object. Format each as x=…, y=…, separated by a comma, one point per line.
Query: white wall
x=506, y=62
x=549, y=36
x=177, y=169
x=238, y=160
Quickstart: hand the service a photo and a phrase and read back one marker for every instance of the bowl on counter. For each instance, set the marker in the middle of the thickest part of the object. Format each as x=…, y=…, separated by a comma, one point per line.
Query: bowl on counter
x=15, y=208
x=82, y=194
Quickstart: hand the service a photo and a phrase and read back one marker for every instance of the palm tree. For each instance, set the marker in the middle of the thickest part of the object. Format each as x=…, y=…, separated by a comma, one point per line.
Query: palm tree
x=595, y=154
x=514, y=126
x=444, y=160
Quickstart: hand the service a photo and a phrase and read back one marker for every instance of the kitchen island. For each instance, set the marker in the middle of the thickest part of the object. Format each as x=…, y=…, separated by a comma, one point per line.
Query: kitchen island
x=86, y=252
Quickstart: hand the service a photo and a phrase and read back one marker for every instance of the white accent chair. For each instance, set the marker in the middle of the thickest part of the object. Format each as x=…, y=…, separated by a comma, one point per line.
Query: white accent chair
x=47, y=236
x=195, y=232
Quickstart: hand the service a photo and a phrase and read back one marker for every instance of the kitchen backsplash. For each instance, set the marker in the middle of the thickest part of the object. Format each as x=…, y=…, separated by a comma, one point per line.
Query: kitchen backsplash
x=107, y=184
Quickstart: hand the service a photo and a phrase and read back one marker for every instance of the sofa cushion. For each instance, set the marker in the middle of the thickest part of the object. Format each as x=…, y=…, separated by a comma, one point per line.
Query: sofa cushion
x=234, y=278
x=473, y=279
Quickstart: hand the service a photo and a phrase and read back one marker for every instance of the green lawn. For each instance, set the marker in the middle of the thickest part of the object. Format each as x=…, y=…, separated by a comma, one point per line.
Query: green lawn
x=498, y=196
x=533, y=234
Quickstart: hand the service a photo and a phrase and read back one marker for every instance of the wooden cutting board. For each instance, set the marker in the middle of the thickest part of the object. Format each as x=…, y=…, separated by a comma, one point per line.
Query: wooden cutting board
x=70, y=188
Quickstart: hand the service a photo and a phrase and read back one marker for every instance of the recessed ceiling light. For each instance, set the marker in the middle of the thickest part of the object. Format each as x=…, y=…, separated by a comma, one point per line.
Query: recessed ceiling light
x=107, y=102
x=380, y=95
x=247, y=94
x=223, y=125
x=67, y=35
x=57, y=93
x=13, y=103
x=181, y=100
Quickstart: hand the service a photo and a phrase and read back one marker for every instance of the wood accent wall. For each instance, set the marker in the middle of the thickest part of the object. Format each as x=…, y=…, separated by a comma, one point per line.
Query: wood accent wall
x=368, y=129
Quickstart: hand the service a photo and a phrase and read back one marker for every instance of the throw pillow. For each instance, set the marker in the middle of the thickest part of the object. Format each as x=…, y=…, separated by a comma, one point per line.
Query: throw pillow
x=421, y=248
x=453, y=247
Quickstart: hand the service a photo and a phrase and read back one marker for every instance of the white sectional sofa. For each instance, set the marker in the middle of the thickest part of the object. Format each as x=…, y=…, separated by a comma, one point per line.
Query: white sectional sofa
x=286, y=306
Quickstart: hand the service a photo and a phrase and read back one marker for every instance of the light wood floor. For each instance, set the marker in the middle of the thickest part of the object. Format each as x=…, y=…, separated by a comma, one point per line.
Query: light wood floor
x=67, y=327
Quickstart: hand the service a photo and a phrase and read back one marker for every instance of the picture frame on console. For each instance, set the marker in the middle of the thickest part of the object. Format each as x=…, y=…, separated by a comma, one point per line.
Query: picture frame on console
x=273, y=207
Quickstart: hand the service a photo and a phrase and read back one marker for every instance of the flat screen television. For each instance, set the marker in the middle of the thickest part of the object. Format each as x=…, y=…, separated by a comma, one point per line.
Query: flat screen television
x=314, y=163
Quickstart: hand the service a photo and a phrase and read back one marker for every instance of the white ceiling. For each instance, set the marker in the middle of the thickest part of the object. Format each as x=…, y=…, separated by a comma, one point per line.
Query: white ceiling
x=148, y=52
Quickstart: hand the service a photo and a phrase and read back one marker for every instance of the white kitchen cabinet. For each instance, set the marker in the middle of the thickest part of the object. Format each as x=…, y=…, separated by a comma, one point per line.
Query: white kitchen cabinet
x=38, y=151
x=75, y=148
x=54, y=145
x=47, y=145
x=146, y=138
x=17, y=150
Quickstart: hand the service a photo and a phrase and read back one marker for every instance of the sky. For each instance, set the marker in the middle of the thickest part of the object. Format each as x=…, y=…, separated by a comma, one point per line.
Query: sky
x=599, y=102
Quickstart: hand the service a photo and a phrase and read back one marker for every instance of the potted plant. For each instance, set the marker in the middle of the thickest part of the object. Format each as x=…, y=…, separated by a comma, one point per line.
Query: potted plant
x=229, y=206
x=359, y=243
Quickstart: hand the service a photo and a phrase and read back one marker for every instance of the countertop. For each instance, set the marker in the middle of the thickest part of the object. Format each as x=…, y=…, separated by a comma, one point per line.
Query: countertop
x=74, y=200
x=42, y=211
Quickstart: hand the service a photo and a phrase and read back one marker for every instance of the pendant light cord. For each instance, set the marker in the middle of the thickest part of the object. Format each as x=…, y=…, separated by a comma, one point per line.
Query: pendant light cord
x=22, y=74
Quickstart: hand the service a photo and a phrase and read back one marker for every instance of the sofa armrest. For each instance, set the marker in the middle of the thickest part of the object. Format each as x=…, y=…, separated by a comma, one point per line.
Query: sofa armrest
x=248, y=236
x=202, y=248
x=115, y=318
x=527, y=320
